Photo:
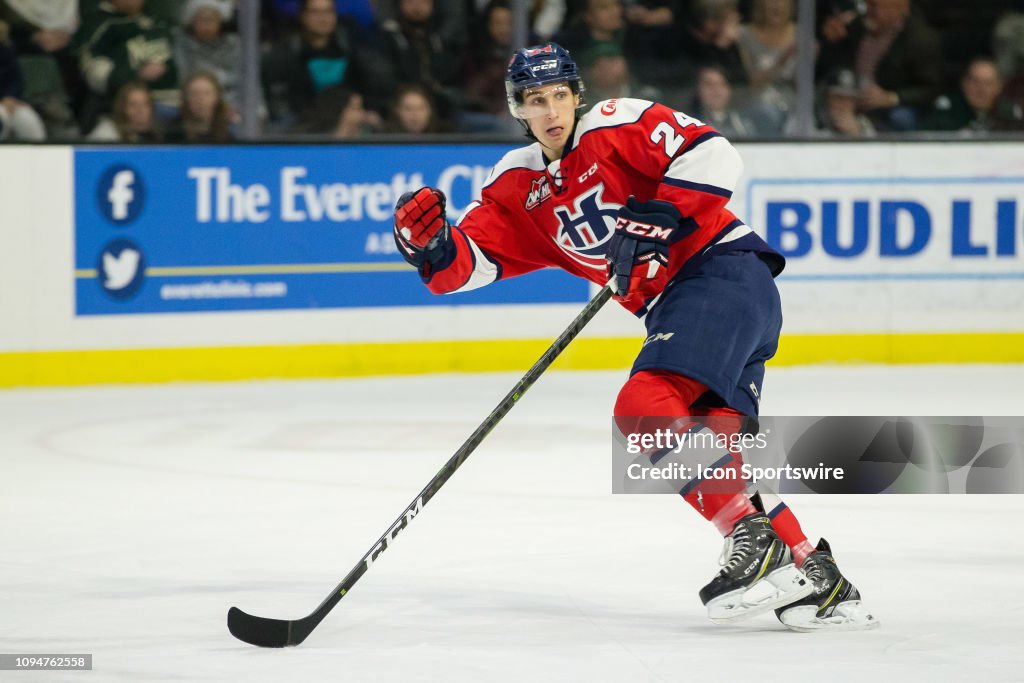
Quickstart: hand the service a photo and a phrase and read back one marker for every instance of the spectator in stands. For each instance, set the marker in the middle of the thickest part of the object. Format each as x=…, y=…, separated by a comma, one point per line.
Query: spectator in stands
x=41, y=32
x=413, y=112
x=650, y=13
x=120, y=43
x=713, y=104
x=545, y=18
x=300, y=66
x=896, y=57
x=710, y=35
x=768, y=49
x=18, y=121
x=361, y=12
x=340, y=113
x=977, y=105
x=1008, y=44
x=651, y=44
x=40, y=26
x=200, y=44
x=601, y=22
x=133, y=119
x=839, y=116
x=417, y=53
x=203, y=116
x=834, y=18
x=449, y=19
x=485, y=108
x=607, y=76
x=965, y=29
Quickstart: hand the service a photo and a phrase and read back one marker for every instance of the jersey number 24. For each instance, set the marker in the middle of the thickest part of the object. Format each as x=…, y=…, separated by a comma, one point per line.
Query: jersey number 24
x=665, y=133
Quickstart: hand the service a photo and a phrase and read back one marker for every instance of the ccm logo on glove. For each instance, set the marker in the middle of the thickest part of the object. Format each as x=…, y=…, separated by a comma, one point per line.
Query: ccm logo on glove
x=643, y=229
x=638, y=252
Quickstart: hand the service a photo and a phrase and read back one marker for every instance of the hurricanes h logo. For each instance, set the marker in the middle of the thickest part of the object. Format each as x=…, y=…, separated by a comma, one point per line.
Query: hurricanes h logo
x=586, y=228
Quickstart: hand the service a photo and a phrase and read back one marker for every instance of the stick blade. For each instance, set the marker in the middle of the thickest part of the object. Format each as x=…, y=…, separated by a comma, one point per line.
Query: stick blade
x=259, y=631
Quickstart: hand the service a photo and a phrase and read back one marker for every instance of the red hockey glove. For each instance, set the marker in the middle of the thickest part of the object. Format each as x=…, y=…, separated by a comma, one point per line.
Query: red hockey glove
x=421, y=228
x=638, y=251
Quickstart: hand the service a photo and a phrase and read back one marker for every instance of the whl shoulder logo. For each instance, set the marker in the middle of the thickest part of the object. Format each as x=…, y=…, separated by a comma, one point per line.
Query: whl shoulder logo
x=540, y=191
x=121, y=268
x=120, y=194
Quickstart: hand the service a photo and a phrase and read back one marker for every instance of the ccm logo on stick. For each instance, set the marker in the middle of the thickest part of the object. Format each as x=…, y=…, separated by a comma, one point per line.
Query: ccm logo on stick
x=411, y=512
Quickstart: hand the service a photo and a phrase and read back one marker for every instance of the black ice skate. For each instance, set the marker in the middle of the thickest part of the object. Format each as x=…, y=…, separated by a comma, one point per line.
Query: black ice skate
x=834, y=604
x=757, y=575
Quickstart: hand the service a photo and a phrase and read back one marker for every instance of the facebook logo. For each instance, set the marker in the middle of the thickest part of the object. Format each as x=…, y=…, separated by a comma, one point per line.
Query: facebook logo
x=120, y=194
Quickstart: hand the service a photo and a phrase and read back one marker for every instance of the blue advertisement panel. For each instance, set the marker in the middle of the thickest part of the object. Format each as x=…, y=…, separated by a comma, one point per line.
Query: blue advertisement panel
x=161, y=230
x=893, y=227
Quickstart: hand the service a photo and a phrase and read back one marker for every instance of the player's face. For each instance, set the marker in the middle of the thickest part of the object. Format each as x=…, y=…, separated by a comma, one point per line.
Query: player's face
x=713, y=90
x=413, y=113
x=138, y=110
x=886, y=13
x=206, y=25
x=550, y=111
x=499, y=25
x=201, y=97
x=319, y=18
x=777, y=12
x=981, y=85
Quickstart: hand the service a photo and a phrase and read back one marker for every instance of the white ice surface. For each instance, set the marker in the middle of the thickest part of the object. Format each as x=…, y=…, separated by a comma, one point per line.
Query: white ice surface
x=131, y=518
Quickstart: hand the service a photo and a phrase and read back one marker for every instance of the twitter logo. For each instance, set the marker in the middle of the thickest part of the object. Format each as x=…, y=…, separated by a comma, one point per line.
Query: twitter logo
x=121, y=269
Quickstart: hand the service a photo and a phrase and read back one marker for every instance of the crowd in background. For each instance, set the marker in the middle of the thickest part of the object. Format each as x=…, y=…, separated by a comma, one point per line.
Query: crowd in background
x=143, y=71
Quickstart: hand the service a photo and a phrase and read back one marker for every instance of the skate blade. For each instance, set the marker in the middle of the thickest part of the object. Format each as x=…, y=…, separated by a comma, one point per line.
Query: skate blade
x=848, y=616
x=781, y=587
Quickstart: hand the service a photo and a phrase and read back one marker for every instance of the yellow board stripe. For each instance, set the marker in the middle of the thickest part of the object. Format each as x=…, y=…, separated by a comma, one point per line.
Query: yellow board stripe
x=948, y=347
x=64, y=368
x=272, y=269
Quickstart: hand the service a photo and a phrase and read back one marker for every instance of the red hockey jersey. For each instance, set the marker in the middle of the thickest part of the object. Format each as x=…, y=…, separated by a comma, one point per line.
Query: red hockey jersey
x=533, y=215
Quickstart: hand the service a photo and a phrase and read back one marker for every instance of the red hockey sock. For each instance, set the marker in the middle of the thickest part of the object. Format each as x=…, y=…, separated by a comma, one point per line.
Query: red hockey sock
x=787, y=527
x=652, y=395
x=723, y=502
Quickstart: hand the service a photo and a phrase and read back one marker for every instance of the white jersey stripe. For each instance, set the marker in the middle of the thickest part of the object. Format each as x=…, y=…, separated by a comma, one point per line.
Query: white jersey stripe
x=713, y=166
x=734, y=234
x=529, y=157
x=484, y=272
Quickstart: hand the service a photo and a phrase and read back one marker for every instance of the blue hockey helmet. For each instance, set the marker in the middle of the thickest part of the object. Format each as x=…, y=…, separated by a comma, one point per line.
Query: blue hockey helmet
x=532, y=67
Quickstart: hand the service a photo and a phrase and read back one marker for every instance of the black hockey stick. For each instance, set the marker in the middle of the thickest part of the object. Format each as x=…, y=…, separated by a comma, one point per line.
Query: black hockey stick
x=281, y=632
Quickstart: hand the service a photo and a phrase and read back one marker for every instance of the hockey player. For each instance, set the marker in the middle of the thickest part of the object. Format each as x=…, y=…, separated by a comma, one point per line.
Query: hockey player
x=635, y=193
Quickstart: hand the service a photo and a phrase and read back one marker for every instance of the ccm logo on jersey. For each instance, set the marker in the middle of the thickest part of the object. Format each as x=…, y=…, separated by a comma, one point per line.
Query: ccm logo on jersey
x=609, y=107
x=540, y=191
x=643, y=229
x=590, y=171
